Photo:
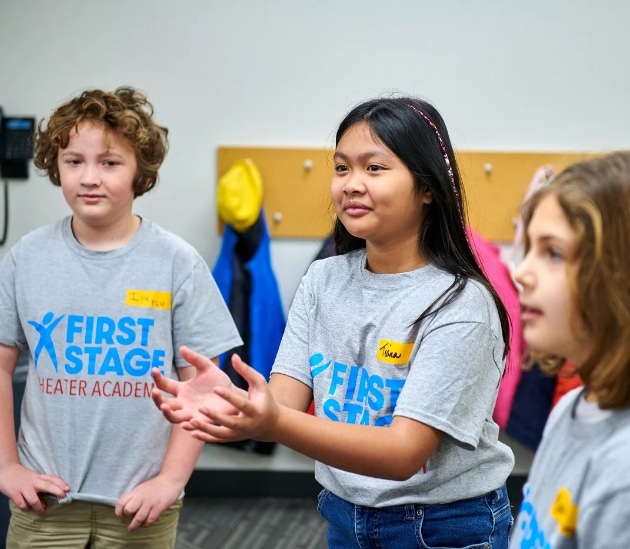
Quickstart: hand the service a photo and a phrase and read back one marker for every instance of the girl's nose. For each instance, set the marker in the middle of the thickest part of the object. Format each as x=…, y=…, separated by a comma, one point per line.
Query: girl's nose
x=522, y=274
x=354, y=184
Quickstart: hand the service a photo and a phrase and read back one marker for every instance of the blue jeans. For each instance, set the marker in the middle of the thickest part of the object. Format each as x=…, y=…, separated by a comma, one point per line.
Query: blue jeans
x=477, y=523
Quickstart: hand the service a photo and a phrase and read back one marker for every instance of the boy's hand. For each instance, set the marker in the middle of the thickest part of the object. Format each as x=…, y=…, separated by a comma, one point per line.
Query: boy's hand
x=23, y=486
x=189, y=396
x=257, y=411
x=147, y=501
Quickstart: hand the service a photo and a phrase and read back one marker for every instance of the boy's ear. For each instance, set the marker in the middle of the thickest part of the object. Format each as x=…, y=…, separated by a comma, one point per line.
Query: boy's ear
x=142, y=185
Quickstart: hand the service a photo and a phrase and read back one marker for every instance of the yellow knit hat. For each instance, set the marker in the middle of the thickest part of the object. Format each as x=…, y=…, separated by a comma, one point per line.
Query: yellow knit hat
x=239, y=195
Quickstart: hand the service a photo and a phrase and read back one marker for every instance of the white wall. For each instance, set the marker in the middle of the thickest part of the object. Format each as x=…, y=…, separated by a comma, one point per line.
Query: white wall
x=505, y=75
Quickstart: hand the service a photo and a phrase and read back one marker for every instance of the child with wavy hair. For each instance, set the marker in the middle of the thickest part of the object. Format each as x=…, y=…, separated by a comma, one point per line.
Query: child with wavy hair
x=98, y=299
x=575, y=299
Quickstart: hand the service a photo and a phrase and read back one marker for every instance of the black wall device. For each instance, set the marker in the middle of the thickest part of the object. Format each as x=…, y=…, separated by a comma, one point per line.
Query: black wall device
x=16, y=145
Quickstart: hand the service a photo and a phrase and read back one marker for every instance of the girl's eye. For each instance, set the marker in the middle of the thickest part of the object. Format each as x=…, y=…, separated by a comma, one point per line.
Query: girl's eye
x=110, y=163
x=341, y=168
x=374, y=168
x=555, y=255
x=73, y=162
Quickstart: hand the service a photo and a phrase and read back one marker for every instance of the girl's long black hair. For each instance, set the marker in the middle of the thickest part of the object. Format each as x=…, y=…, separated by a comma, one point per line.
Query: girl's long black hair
x=397, y=124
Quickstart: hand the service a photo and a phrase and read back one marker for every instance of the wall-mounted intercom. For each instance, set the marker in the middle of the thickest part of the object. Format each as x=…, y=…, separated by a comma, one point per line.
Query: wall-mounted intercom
x=16, y=149
x=16, y=145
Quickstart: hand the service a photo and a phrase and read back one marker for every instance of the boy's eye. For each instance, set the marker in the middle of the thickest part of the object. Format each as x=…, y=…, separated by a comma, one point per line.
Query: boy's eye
x=73, y=161
x=110, y=163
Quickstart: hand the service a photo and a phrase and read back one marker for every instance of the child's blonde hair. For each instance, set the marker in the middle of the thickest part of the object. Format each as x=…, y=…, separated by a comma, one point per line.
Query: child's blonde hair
x=125, y=111
x=595, y=198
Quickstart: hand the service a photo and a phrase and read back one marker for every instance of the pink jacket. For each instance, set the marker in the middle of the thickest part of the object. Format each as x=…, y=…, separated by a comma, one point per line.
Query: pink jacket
x=499, y=275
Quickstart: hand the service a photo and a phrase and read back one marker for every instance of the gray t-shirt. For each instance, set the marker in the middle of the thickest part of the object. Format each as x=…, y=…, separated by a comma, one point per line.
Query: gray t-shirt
x=95, y=323
x=349, y=338
x=577, y=495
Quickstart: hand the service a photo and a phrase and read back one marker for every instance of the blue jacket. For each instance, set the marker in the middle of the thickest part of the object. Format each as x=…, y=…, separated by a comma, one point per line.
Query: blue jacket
x=245, y=278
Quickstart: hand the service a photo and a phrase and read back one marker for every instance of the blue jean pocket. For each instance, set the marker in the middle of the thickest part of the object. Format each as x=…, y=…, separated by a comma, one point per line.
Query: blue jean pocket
x=477, y=523
x=321, y=497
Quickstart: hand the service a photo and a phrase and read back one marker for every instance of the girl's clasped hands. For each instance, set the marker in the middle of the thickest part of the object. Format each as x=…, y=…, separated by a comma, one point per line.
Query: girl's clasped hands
x=211, y=407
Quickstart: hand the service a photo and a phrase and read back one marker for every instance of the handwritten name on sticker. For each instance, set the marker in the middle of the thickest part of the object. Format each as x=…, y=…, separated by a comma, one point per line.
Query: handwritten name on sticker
x=149, y=299
x=393, y=352
x=565, y=512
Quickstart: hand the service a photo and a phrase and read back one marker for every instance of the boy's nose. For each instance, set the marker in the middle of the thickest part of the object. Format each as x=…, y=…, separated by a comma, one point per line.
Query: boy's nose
x=90, y=177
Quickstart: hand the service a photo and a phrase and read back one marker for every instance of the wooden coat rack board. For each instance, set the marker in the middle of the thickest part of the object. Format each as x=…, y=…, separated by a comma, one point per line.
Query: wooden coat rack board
x=296, y=187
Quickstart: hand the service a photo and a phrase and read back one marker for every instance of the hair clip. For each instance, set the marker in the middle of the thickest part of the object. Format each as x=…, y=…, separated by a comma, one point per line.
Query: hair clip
x=444, y=153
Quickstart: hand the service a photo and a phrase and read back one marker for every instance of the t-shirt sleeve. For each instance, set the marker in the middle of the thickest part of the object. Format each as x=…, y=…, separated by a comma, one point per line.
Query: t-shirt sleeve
x=453, y=379
x=201, y=318
x=292, y=358
x=11, y=332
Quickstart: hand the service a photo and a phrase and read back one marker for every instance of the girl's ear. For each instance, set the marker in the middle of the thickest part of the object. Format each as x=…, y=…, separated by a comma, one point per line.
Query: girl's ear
x=426, y=196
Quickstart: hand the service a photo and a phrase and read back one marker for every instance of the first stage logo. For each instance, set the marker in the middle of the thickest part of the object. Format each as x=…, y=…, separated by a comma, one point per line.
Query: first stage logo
x=45, y=329
x=97, y=345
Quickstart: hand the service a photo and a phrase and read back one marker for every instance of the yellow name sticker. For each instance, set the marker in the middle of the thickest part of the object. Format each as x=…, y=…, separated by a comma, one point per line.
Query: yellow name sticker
x=149, y=299
x=394, y=352
x=565, y=512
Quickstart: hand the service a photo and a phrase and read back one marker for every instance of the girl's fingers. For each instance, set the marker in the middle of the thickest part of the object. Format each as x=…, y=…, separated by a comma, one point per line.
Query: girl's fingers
x=200, y=362
x=218, y=419
x=250, y=375
x=217, y=433
x=240, y=402
x=164, y=383
x=174, y=415
x=169, y=414
x=172, y=404
x=200, y=435
x=226, y=428
x=158, y=397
